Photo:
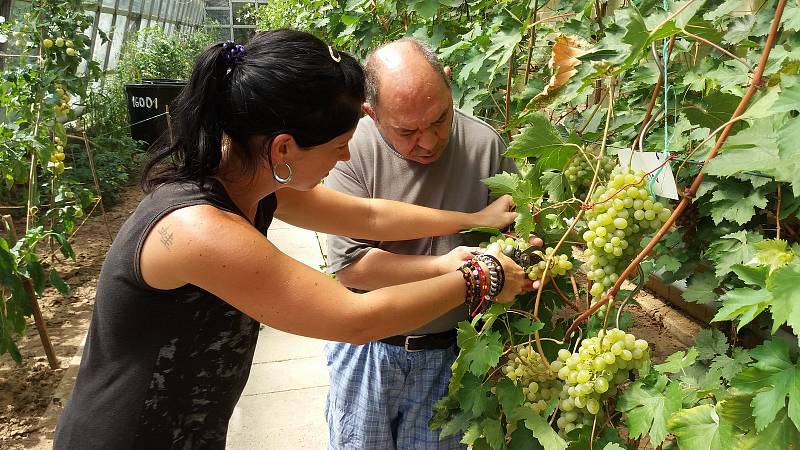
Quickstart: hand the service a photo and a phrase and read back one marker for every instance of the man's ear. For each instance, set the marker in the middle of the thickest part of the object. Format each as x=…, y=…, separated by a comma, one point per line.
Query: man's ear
x=448, y=72
x=369, y=110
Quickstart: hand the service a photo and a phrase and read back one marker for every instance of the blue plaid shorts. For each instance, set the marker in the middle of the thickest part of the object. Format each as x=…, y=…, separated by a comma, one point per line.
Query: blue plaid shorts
x=381, y=397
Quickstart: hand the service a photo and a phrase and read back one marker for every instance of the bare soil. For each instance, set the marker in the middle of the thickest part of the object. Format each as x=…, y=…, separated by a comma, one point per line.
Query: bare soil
x=27, y=389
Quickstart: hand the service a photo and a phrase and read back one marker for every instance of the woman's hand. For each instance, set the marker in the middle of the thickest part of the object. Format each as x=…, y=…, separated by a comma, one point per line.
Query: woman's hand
x=454, y=259
x=516, y=280
x=499, y=214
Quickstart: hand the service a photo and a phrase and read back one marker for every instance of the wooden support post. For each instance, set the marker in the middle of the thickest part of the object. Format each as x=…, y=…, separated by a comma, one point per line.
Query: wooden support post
x=90, y=158
x=41, y=327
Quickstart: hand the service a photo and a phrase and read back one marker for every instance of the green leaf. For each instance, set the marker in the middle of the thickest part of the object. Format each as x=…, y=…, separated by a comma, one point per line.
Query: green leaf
x=648, y=408
x=457, y=424
x=493, y=432
x=613, y=446
x=731, y=249
x=782, y=284
x=542, y=430
x=781, y=433
x=756, y=276
x=556, y=186
x=700, y=288
x=502, y=184
x=58, y=283
x=425, y=8
x=710, y=342
x=526, y=326
x=472, y=395
x=36, y=273
x=744, y=304
x=479, y=351
x=522, y=439
x=737, y=203
x=773, y=253
x=701, y=428
x=728, y=367
x=509, y=394
x=789, y=152
x=678, y=361
x=722, y=10
x=773, y=378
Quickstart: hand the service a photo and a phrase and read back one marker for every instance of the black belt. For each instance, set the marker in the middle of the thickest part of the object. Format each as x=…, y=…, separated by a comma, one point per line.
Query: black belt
x=415, y=343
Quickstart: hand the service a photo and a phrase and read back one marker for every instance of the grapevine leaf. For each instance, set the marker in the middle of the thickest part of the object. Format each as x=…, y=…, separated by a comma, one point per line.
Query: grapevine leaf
x=736, y=410
x=744, y=304
x=791, y=18
x=648, y=408
x=789, y=98
x=728, y=367
x=493, y=432
x=522, y=439
x=542, y=430
x=669, y=263
x=701, y=428
x=733, y=248
x=457, y=424
x=710, y=343
x=472, y=433
x=722, y=10
x=781, y=433
x=425, y=8
x=773, y=378
x=472, y=395
x=540, y=134
x=524, y=224
x=678, y=361
x=737, y=203
x=509, y=394
x=609, y=437
x=756, y=276
x=773, y=253
x=613, y=446
x=36, y=274
x=700, y=288
x=787, y=138
x=502, y=184
x=782, y=284
x=556, y=186
x=480, y=351
x=526, y=326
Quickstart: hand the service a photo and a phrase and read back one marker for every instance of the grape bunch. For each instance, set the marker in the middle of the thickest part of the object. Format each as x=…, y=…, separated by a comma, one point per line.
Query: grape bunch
x=539, y=383
x=580, y=171
x=559, y=264
x=591, y=375
x=623, y=212
x=506, y=244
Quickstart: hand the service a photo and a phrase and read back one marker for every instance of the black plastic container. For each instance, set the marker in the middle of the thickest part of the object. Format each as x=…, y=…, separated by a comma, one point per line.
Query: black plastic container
x=147, y=105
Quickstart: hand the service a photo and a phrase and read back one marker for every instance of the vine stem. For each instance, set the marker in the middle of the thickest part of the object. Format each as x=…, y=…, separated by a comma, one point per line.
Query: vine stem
x=720, y=48
x=509, y=82
x=690, y=193
x=531, y=42
x=654, y=97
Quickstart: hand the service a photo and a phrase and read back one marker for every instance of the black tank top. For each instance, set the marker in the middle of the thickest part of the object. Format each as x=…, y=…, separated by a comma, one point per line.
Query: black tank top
x=160, y=369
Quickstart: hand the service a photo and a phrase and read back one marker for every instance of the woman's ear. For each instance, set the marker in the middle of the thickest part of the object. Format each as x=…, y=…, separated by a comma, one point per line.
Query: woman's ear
x=280, y=147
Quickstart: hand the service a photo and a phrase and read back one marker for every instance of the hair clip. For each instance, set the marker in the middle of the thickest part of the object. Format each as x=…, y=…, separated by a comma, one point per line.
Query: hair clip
x=232, y=52
x=337, y=57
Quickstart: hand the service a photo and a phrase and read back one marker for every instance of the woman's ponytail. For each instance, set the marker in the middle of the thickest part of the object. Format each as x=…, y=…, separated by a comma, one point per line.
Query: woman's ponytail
x=195, y=150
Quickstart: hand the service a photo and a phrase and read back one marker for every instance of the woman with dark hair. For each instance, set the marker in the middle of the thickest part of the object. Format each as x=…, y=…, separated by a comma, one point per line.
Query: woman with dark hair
x=191, y=274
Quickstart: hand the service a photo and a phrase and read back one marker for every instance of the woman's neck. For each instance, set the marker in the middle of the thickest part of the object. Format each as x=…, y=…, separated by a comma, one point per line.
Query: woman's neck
x=244, y=189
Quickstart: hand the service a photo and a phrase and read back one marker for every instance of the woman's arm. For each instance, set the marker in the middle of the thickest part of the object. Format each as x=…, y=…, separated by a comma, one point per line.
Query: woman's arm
x=323, y=209
x=223, y=254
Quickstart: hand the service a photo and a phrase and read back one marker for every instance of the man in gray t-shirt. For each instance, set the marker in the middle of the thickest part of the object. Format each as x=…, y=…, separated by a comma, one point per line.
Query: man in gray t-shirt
x=414, y=147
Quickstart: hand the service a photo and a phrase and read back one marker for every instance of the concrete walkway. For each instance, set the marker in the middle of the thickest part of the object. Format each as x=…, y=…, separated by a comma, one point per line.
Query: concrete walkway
x=282, y=406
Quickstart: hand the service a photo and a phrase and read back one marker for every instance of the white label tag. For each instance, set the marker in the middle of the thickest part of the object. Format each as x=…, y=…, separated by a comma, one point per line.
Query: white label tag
x=664, y=185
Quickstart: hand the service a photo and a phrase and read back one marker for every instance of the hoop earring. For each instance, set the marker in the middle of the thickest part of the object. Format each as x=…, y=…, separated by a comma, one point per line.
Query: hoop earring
x=281, y=179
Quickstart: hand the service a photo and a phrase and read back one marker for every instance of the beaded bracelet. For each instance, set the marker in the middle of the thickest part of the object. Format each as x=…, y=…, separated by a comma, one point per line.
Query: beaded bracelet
x=496, y=273
x=476, y=284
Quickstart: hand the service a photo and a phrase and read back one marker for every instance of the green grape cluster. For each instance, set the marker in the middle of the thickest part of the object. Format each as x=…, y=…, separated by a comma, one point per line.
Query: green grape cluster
x=591, y=374
x=539, y=382
x=559, y=264
x=580, y=171
x=507, y=245
x=623, y=212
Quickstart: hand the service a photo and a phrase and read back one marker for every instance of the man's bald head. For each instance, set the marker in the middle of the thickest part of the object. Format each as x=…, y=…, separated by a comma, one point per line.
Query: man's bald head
x=405, y=60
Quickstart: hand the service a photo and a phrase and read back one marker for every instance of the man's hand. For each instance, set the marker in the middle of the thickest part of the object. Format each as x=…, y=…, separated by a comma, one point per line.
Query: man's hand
x=499, y=214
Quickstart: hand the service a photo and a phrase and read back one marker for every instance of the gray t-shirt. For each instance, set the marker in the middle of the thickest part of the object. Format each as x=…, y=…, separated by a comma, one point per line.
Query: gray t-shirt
x=453, y=182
